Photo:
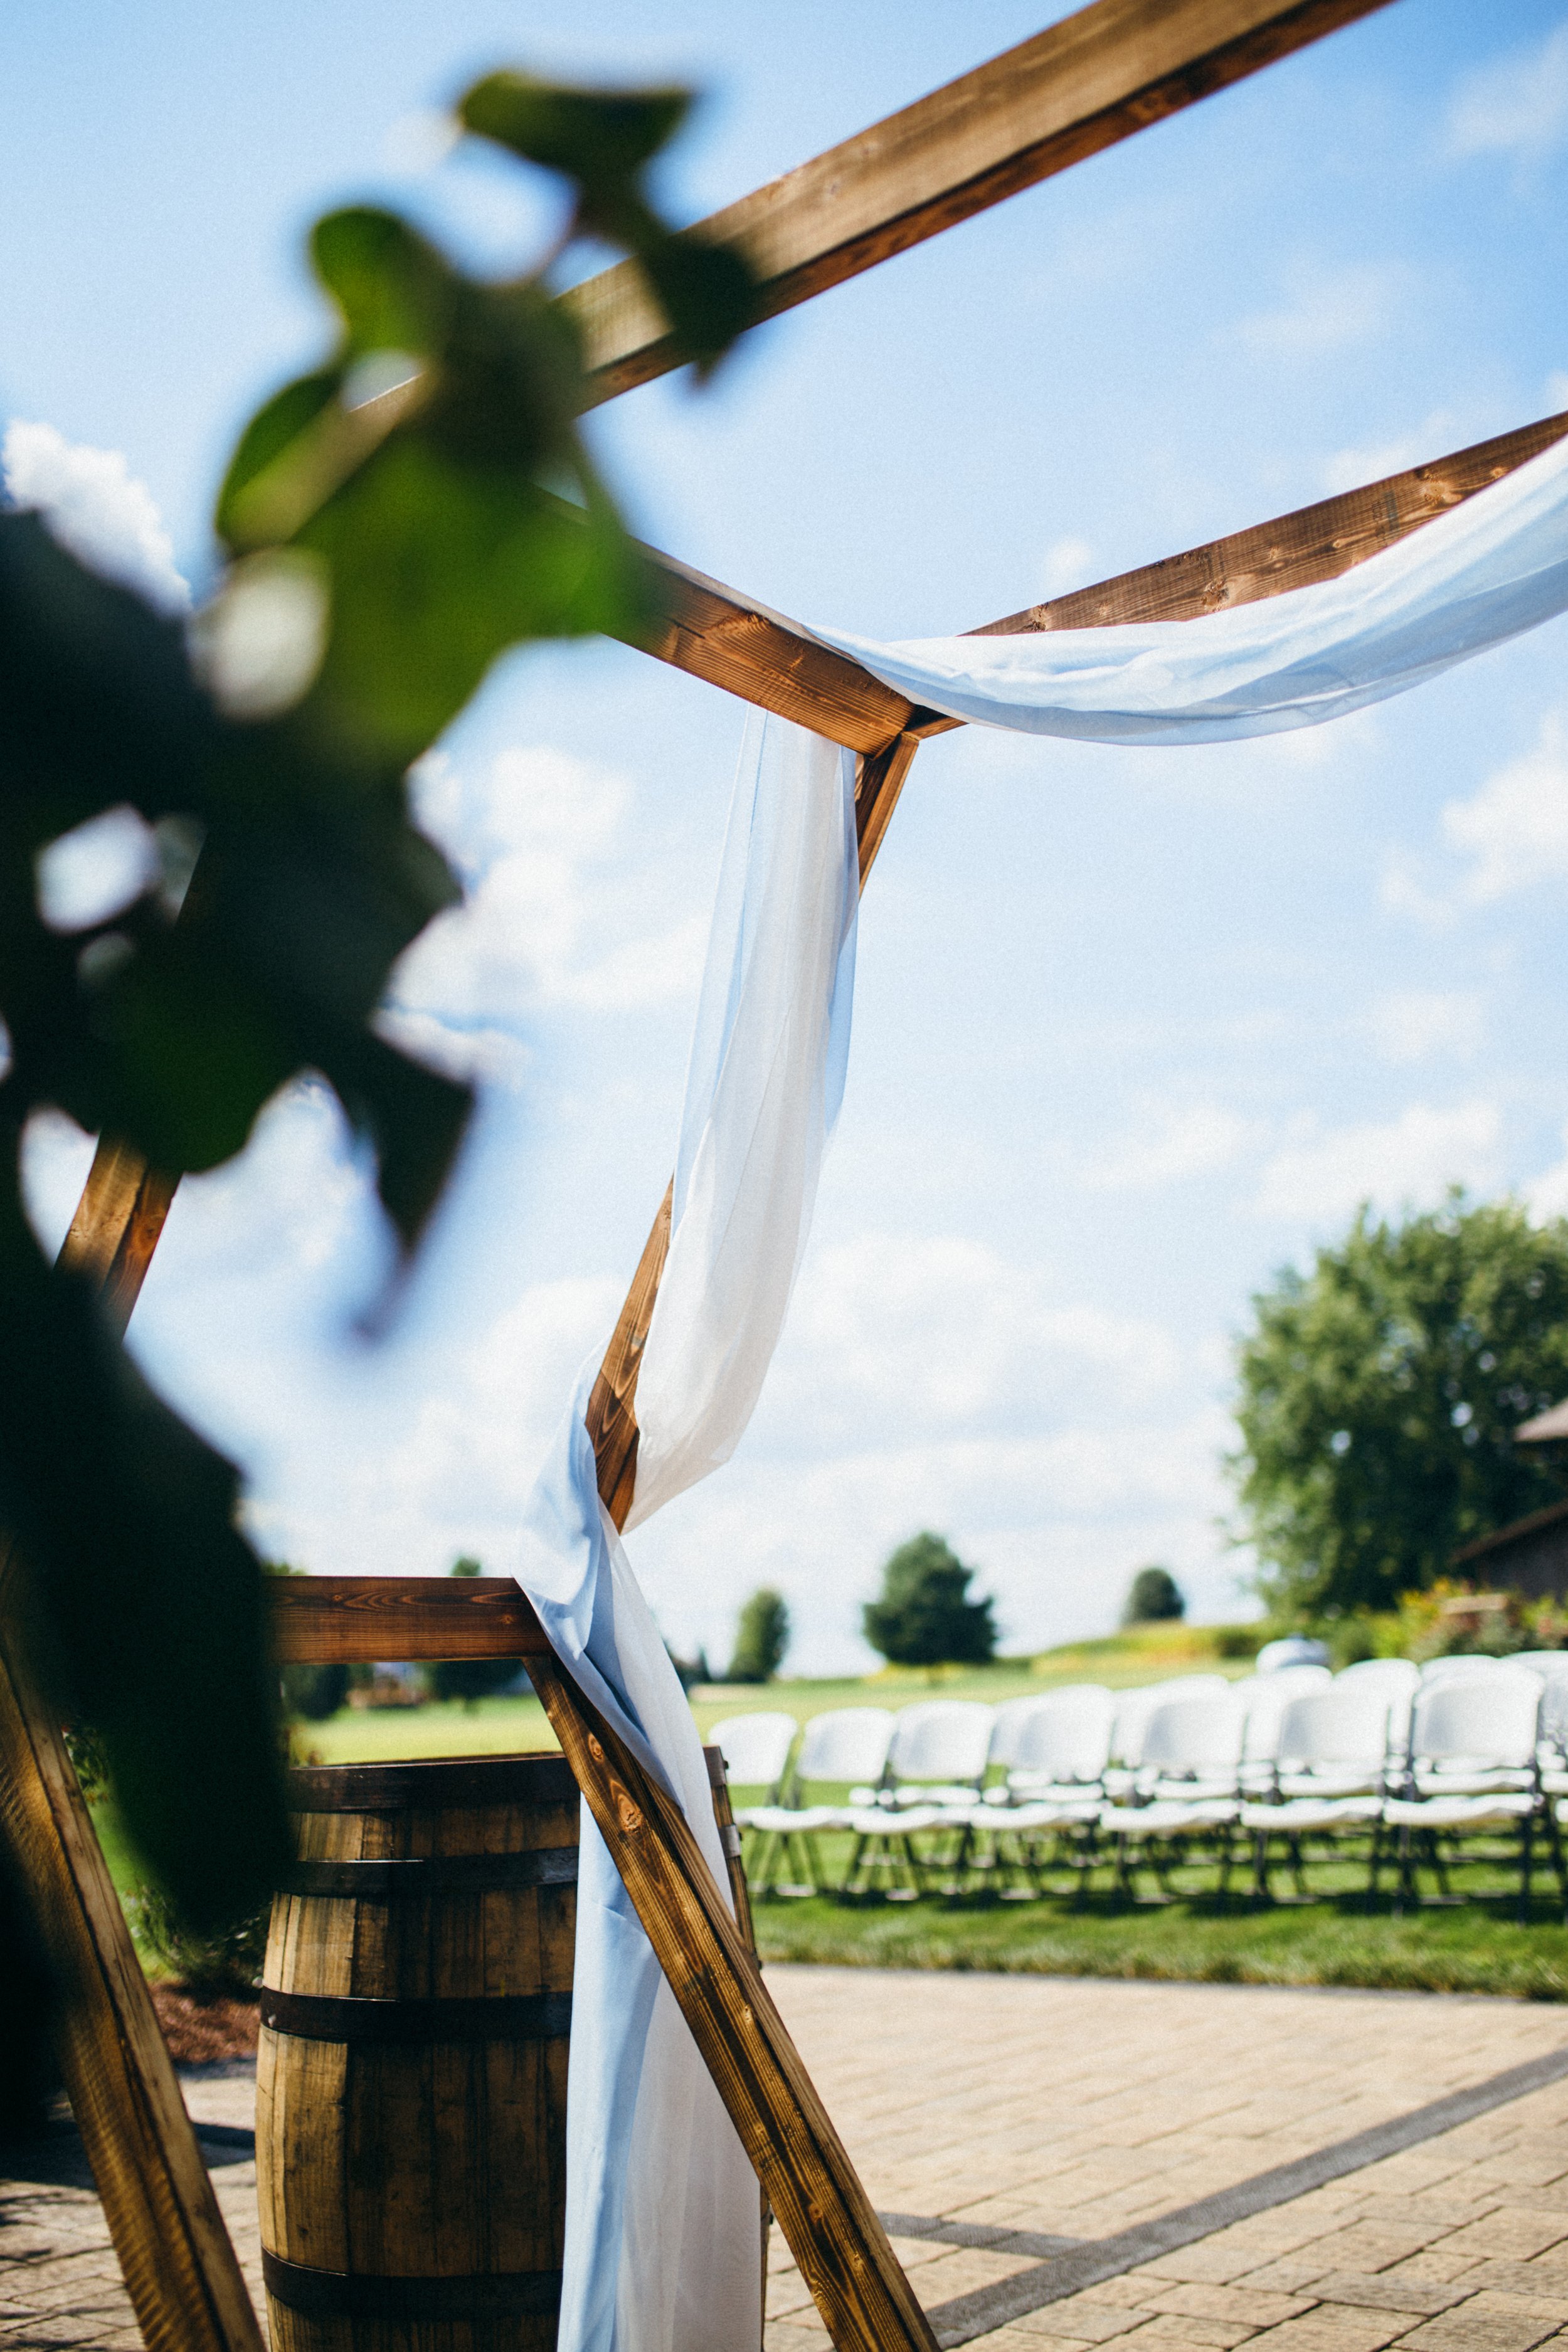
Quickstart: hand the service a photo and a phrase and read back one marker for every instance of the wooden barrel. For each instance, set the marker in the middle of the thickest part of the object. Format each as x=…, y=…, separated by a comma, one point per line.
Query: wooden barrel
x=411, y=2080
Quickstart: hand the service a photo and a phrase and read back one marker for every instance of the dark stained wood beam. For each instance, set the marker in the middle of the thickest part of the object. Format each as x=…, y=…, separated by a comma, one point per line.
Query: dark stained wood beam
x=1294, y=551
x=865, y=2302
x=731, y=641
x=117, y=1224
x=354, y=1620
x=1111, y=69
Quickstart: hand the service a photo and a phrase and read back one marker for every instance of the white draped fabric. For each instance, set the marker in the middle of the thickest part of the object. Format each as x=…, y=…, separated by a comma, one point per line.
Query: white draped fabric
x=661, y=2230
x=662, y=2251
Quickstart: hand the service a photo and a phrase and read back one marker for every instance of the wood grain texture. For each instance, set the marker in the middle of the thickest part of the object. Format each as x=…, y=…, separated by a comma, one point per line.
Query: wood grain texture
x=612, y=1402
x=741, y=1901
x=734, y=642
x=1295, y=550
x=117, y=1224
x=865, y=2302
x=356, y=1619
x=1111, y=69
x=179, y=2269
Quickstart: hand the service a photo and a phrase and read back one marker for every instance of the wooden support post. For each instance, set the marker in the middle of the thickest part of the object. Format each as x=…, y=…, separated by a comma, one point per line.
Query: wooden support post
x=180, y=2268
x=864, y=2299
x=865, y=2302
x=117, y=1224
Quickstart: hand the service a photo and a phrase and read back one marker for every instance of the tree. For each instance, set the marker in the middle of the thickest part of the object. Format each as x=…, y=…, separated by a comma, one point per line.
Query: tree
x=924, y=1616
x=1153, y=1596
x=761, y=1637
x=315, y=1693
x=470, y=1679
x=1378, y=1397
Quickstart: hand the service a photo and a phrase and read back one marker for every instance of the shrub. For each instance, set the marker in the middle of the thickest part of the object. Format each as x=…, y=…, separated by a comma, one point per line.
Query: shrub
x=228, y=1960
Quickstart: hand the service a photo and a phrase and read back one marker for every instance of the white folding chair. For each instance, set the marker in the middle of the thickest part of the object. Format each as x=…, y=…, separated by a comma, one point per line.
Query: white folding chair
x=1465, y=1667
x=844, y=1745
x=755, y=1749
x=1547, y=1664
x=936, y=1765
x=1398, y=1679
x=1059, y=1745
x=1264, y=1699
x=1473, y=1768
x=1053, y=1748
x=1292, y=1650
x=1133, y=1710
x=1187, y=1789
x=1330, y=1752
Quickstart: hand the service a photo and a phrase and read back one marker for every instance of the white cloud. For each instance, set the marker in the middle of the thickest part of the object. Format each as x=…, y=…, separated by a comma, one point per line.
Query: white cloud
x=1413, y=1024
x=1066, y=566
x=1509, y=837
x=1516, y=104
x=97, y=507
x=921, y=1380
x=1515, y=830
x=1177, y=1144
x=1326, y=1174
x=1325, y=310
x=1347, y=469
x=533, y=833
x=891, y=1334
x=56, y=1157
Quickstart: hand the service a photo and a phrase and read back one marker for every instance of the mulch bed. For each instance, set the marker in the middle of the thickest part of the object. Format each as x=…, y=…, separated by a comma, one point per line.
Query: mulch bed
x=201, y=2029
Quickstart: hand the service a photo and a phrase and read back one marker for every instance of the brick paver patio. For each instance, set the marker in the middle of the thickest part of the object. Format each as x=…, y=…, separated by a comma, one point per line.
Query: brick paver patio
x=1055, y=2116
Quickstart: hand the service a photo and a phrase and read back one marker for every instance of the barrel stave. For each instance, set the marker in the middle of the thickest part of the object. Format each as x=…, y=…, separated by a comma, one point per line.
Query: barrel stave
x=436, y=2161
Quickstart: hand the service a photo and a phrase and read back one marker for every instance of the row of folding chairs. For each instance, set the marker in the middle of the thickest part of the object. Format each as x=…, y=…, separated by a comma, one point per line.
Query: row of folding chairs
x=1416, y=1768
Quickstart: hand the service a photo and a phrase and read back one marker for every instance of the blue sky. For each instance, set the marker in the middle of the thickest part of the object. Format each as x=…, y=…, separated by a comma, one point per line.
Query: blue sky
x=1134, y=1028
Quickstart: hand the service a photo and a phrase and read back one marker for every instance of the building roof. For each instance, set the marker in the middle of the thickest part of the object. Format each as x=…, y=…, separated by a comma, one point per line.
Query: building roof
x=1551, y=1516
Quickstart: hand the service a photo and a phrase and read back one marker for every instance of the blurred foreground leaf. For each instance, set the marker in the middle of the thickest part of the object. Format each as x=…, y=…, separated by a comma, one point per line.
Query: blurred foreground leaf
x=395, y=521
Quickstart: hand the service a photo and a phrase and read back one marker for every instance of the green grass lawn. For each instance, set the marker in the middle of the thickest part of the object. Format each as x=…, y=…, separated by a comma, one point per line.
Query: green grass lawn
x=1476, y=1949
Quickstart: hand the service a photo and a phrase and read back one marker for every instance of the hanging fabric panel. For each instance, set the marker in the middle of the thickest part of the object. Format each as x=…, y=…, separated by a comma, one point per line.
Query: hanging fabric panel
x=661, y=2208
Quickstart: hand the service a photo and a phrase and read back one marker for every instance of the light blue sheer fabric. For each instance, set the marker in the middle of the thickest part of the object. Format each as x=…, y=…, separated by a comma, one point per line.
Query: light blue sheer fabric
x=661, y=2207
x=1482, y=573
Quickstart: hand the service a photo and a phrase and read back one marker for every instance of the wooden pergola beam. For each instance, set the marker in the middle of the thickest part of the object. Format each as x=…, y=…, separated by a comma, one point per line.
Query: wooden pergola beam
x=716, y=633
x=1109, y=70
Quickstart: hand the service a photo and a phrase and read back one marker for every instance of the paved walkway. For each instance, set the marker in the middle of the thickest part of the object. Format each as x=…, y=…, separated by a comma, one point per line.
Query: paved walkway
x=1064, y=2161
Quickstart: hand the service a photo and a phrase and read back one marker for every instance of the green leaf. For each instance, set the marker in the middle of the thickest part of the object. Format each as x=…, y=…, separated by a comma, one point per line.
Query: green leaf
x=271, y=432
x=150, y=1601
x=395, y=291
x=602, y=139
x=439, y=566
x=706, y=291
